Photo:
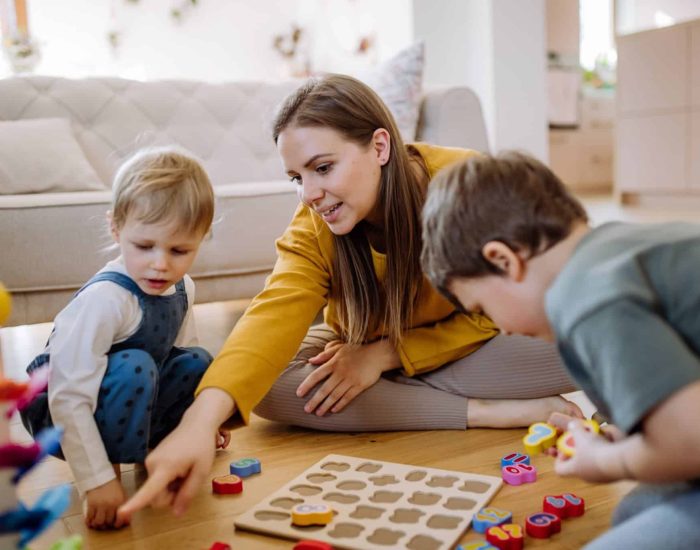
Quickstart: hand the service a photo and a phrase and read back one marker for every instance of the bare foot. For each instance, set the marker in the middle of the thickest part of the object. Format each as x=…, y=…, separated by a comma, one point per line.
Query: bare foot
x=515, y=413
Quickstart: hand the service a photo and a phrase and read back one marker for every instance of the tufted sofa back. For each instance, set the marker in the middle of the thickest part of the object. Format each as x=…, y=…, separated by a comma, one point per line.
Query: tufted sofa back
x=226, y=125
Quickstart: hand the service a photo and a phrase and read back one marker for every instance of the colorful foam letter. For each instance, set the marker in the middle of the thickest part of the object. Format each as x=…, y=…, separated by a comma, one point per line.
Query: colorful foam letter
x=542, y=525
x=508, y=536
x=490, y=517
x=227, y=485
x=476, y=545
x=312, y=545
x=540, y=437
x=565, y=506
x=517, y=475
x=513, y=459
x=245, y=467
x=311, y=514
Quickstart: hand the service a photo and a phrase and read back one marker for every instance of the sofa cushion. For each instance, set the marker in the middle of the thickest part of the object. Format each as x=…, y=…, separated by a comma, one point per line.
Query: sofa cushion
x=42, y=155
x=58, y=228
x=399, y=82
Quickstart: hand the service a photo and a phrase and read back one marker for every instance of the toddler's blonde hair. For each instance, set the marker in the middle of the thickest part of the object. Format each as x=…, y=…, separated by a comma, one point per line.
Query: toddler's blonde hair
x=160, y=185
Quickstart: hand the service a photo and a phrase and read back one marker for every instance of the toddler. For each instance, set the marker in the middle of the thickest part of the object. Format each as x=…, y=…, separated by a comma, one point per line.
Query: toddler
x=122, y=356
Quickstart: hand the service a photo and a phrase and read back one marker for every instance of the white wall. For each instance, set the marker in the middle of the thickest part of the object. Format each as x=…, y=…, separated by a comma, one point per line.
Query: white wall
x=638, y=15
x=215, y=40
x=496, y=47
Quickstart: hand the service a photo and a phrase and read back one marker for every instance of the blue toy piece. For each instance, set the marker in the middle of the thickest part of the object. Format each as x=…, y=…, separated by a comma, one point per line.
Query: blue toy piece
x=51, y=504
x=490, y=517
x=513, y=459
x=245, y=467
x=476, y=545
x=49, y=441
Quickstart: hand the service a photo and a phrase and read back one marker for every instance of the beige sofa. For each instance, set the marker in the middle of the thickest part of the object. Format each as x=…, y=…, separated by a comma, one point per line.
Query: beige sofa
x=51, y=242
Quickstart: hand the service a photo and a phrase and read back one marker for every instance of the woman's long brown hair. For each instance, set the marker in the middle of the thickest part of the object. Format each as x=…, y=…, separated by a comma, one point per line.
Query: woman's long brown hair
x=351, y=108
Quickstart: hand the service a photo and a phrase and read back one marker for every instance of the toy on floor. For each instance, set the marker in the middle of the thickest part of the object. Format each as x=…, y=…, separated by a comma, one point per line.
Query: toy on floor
x=245, y=467
x=517, y=475
x=513, y=459
x=542, y=525
x=311, y=514
x=71, y=543
x=565, y=506
x=227, y=485
x=377, y=504
x=220, y=546
x=490, y=517
x=540, y=437
x=508, y=536
x=312, y=545
x=476, y=545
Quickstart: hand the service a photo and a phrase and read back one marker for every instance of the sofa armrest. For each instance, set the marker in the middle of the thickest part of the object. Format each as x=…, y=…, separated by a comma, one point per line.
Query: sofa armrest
x=452, y=116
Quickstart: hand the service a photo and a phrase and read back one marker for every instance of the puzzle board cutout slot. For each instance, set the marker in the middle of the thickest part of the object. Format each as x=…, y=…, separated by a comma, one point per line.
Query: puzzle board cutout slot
x=378, y=505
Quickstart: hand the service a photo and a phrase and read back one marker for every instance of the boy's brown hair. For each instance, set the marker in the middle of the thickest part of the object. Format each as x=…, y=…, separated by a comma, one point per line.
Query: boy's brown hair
x=163, y=184
x=512, y=198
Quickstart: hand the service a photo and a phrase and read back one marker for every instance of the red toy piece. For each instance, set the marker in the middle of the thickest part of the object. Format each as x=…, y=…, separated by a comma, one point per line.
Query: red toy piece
x=312, y=545
x=542, y=525
x=508, y=536
x=220, y=546
x=565, y=506
x=227, y=485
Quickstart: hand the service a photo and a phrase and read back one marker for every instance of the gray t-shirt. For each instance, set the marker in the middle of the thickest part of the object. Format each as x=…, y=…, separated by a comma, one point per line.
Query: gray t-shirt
x=626, y=313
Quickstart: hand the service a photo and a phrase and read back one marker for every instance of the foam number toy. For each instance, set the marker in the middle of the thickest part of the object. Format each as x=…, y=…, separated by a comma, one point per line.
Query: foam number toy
x=71, y=543
x=227, y=485
x=513, y=459
x=517, y=475
x=565, y=443
x=540, y=437
x=312, y=545
x=508, y=536
x=220, y=546
x=311, y=514
x=565, y=506
x=245, y=467
x=490, y=517
x=5, y=304
x=476, y=545
x=542, y=525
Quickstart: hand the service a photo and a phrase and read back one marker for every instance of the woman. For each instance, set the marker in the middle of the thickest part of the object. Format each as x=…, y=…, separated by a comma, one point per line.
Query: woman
x=393, y=353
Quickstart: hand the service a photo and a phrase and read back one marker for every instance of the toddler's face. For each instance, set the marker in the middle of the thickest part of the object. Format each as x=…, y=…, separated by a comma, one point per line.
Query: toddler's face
x=156, y=255
x=516, y=308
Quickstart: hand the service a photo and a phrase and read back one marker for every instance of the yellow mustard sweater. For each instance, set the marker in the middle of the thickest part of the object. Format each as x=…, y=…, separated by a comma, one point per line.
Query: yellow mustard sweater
x=270, y=332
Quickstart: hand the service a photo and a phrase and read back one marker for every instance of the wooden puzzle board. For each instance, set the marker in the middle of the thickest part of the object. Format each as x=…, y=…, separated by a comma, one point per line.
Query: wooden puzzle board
x=378, y=505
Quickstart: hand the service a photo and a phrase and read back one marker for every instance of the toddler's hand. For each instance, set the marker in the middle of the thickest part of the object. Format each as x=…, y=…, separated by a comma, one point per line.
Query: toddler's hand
x=223, y=438
x=101, y=506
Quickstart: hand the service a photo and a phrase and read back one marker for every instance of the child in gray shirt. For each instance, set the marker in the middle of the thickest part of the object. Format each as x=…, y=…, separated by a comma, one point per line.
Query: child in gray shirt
x=622, y=301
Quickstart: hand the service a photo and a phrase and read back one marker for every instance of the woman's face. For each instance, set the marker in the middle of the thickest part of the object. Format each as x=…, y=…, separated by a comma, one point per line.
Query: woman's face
x=335, y=177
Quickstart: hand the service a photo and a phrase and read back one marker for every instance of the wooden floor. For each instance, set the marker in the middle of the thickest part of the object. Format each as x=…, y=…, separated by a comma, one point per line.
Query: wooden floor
x=285, y=452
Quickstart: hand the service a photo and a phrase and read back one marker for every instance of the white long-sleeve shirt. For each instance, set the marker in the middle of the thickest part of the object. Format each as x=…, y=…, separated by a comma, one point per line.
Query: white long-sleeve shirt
x=101, y=315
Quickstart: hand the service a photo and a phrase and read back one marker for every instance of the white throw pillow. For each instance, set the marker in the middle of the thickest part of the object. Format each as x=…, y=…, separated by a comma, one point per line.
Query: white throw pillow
x=42, y=155
x=399, y=82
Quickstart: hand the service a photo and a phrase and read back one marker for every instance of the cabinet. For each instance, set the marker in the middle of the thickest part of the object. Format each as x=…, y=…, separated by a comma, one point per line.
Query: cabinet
x=583, y=157
x=658, y=114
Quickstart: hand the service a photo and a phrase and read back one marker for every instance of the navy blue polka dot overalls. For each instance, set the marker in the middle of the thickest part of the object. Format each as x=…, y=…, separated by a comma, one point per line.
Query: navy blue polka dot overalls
x=148, y=383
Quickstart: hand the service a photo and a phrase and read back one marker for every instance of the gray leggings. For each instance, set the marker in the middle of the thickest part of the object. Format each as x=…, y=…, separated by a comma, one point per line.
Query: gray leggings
x=506, y=367
x=655, y=516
